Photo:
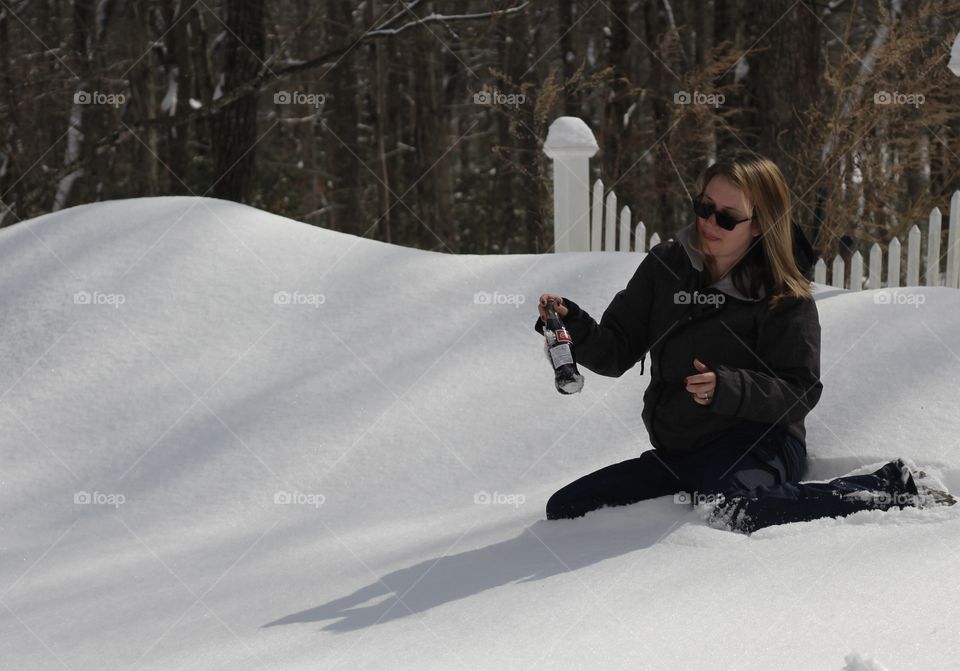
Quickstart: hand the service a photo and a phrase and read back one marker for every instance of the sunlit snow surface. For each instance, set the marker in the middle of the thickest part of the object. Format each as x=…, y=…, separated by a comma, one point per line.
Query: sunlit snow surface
x=307, y=450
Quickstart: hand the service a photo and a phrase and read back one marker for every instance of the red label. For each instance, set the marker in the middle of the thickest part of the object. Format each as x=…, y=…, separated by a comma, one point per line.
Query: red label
x=563, y=336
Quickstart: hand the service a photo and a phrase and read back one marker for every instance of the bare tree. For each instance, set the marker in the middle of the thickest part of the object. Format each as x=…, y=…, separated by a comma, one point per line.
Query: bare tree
x=233, y=129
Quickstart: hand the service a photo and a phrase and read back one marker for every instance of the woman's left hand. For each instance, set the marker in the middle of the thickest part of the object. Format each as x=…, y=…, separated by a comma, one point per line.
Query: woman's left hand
x=702, y=385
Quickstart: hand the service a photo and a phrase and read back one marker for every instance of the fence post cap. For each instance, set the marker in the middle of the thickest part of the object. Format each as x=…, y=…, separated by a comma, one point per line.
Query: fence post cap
x=570, y=136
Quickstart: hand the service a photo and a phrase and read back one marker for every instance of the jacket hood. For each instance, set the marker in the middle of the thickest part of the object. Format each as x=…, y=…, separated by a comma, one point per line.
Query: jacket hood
x=802, y=252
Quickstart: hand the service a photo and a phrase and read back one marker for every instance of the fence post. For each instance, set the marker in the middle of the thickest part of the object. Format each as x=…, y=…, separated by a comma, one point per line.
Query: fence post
x=596, y=213
x=913, y=257
x=856, y=272
x=610, y=229
x=640, y=235
x=570, y=143
x=933, y=248
x=893, y=263
x=837, y=272
x=623, y=244
x=876, y=259
x=953, y=242
x=820, y=272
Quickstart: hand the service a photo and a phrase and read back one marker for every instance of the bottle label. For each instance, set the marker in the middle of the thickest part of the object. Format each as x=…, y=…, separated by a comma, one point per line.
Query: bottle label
x=561, y=355
x=563, y=335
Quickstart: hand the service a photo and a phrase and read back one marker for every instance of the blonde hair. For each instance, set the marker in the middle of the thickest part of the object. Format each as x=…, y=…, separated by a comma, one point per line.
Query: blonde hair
x=766, y=189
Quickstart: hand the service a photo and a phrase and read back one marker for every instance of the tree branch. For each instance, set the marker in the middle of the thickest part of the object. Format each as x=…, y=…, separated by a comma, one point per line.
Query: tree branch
x=384, y=30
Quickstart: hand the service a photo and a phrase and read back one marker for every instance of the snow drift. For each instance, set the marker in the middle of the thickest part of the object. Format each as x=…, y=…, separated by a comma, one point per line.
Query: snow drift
x=232, y=440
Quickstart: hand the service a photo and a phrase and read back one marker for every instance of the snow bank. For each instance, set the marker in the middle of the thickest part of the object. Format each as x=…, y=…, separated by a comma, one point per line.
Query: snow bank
x=235, y=440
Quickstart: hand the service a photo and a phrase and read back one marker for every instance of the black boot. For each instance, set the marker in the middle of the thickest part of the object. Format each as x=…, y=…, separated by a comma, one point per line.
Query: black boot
x=900, y=482
x=932, y=492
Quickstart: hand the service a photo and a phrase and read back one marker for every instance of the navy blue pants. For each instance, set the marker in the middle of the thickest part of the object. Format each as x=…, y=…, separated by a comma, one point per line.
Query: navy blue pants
x=757, y=465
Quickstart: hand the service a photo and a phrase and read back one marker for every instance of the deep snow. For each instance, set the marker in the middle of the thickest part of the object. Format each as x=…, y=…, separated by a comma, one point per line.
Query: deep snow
x=306, y=449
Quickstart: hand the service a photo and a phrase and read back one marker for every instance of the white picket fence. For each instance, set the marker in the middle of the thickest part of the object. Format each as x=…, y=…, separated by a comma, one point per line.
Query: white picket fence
x=582, y=223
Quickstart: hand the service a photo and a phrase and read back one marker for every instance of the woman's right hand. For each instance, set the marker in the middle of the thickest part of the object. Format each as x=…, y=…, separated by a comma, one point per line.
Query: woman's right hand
x=558, y=305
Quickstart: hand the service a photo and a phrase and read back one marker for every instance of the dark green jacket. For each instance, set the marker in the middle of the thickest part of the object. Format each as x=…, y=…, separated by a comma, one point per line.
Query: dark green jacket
x=767, y=362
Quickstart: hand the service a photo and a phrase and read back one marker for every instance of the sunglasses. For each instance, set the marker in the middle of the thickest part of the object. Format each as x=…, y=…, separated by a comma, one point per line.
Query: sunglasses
x=704, y=209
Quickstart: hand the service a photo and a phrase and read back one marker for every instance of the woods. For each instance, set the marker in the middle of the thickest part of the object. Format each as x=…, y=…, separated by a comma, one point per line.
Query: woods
x=421, y=123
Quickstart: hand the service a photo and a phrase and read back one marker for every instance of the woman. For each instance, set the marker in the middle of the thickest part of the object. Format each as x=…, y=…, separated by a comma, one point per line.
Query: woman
x=727, y=315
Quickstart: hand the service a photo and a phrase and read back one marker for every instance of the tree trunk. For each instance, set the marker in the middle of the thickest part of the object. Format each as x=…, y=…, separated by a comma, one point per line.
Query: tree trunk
x=77, y=148
x=617, y=101
x=179, y=71
x=233, y=130
x=535, y=197
x=660, y=205
x=342, y=118
x=725, y=29
x=145, y=179
x=434, y=193
x=9, y=164
x=380, y=74
x=784, y=78
x=568, y=59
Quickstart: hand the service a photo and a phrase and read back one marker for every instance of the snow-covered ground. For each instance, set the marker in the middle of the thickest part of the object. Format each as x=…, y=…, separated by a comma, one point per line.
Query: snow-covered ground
x=308, y=450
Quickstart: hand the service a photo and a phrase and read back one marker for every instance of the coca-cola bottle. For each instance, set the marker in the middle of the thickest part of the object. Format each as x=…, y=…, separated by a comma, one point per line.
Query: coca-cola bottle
x=557, y=346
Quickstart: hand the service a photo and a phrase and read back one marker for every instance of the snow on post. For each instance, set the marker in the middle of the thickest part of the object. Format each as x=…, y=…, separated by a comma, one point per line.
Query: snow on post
x=570, y=143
